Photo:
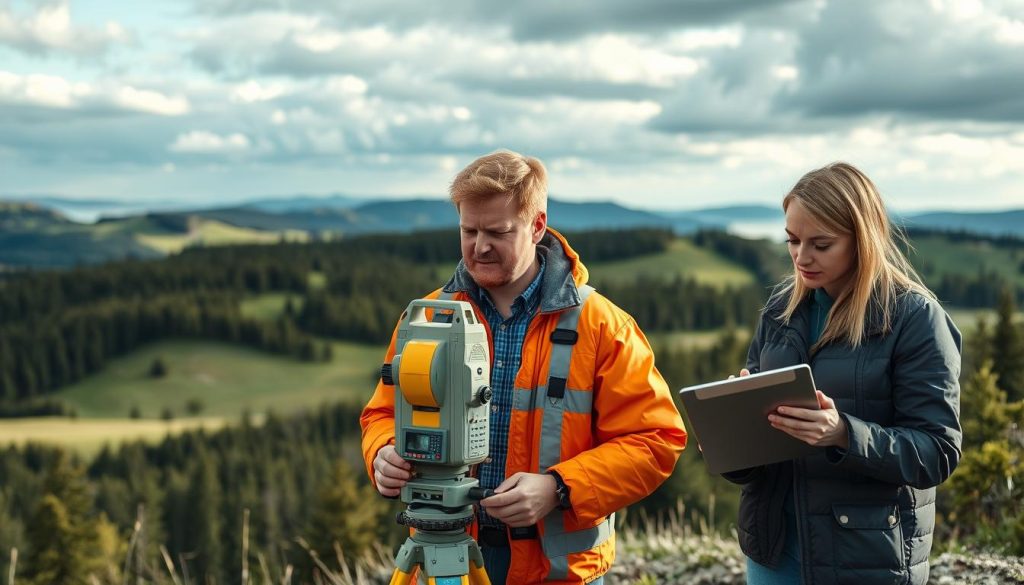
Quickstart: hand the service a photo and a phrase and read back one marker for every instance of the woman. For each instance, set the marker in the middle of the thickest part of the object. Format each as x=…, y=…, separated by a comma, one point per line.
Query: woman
x=886, y=359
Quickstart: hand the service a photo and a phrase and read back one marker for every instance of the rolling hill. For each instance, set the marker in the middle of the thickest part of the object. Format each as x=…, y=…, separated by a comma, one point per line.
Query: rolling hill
x=33, y=235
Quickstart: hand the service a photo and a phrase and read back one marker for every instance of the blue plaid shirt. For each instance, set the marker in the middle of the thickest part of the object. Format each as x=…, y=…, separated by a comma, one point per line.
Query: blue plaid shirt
x=508, y=335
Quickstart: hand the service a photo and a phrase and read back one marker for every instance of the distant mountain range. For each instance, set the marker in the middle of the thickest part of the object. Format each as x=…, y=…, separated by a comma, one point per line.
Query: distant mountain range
x=39, y=232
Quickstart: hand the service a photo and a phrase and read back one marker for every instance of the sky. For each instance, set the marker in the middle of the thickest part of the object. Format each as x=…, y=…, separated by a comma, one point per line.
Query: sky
x=660, y=104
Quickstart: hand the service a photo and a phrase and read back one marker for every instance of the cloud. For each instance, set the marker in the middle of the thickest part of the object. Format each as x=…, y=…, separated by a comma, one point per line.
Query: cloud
x=51, y=92
x=49, y=29
x=935, y=59
x=528, y=20
x=204, y=142
x=607, y=66
x=658, y=100
x=149, y=101
x=47, y=91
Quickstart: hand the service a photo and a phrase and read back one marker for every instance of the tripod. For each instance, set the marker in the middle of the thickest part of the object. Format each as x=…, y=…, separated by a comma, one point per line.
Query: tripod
x=441, y=548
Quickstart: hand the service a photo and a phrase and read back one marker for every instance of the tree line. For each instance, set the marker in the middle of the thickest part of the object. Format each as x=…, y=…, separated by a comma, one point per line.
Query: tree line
x=680, y=304
x=298, y=477
x=43, y=354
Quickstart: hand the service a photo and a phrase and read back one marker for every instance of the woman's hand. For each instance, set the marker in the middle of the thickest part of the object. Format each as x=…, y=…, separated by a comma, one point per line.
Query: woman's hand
x=820, y=428
x=743, y=372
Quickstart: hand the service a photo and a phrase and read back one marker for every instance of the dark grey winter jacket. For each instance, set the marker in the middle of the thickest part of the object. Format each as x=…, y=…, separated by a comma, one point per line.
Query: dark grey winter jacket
x=864, y=515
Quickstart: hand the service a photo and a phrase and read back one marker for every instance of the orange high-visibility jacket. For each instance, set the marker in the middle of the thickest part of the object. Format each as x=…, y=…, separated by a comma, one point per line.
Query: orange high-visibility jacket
x=619, y=440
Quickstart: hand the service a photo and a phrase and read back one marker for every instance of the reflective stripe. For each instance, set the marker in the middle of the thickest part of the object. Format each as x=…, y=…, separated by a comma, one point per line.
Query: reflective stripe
x=575, y=401
x=561, y=545
x=523, y=399
x=559, y=570
x=578, y=401
x=555, y=541
x=445, y=296
x=558, y=367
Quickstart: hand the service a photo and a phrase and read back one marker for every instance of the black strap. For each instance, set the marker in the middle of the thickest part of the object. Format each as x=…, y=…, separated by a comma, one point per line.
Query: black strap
x=522, y=532
x=556, y=387
x=564, y=336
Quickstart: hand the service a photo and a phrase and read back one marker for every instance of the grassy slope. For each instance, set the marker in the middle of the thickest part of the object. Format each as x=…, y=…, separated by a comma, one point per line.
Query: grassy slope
x=227, y=379
x=213, y=233
x=682, y=258
x=87, y=436
x=268, y=306
x=967, y=258
x=692, y=339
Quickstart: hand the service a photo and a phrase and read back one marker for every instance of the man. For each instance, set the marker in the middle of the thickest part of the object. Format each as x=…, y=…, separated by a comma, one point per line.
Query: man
x=582, y=424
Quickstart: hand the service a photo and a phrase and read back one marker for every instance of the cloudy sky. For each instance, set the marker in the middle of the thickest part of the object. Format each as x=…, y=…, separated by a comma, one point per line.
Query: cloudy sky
x=654, y=103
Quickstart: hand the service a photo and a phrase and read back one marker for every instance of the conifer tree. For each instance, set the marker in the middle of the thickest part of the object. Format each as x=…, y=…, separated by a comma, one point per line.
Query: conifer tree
x=978, y=345
x=54, y=556
x=1008, y=349
x=985, y=494
x=62, y=539
x=206, y=499
x=346, y=513
x=985, y=416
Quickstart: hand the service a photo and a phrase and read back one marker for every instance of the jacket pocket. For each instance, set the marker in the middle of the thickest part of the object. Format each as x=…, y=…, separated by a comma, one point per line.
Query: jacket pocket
x=867, y=540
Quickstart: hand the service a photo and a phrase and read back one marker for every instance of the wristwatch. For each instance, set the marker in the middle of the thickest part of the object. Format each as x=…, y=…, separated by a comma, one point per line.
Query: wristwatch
x=561, y=492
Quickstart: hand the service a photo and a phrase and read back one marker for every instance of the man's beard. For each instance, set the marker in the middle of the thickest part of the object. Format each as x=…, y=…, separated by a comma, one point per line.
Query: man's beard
x=493, y=274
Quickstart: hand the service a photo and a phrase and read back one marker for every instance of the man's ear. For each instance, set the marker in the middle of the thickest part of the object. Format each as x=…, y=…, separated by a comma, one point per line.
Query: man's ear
x=540, y=226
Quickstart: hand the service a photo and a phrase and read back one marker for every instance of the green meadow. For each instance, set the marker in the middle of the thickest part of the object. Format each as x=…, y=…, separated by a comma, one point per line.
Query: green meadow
x=682, y=258
x=944, y=256
x=227, y=380
x=87, y=436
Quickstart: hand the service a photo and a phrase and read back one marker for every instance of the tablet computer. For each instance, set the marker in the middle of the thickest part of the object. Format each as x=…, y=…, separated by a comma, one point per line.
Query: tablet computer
x=730, y=418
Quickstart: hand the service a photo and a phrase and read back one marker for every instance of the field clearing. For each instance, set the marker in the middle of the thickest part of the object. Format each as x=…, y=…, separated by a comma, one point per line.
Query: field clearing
x=216, y=233
x=317, y=280
x=967, y=319
x=682, y=258
x=269, y=306
x=227, y=379
x=967, y=258
x=87, y=436
x=692, y=339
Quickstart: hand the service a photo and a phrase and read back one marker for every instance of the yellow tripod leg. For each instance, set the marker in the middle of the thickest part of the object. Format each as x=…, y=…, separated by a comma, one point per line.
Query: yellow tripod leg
x=400, y=578
x=477, y=575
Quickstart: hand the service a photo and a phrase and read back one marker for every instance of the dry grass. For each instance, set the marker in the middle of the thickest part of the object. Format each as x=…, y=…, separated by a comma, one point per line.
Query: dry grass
x=668, y=548
x=87, y=436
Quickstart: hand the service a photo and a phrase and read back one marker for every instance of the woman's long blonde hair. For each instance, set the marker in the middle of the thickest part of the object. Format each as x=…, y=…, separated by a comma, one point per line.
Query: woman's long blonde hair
x=845, y=202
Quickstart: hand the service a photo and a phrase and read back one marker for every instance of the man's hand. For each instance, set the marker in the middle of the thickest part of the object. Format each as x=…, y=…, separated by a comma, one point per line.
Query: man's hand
x=522, y=499
x=390, y=471
x=821, y=428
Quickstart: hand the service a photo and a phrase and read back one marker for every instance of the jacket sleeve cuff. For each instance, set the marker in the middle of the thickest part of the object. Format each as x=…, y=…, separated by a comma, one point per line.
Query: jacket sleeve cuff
x=584, y=505
x=743, y=476
x=856, y=434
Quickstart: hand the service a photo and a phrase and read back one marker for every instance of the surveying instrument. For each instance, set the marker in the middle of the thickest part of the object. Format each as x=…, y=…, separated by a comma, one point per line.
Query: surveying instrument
x=441, y=374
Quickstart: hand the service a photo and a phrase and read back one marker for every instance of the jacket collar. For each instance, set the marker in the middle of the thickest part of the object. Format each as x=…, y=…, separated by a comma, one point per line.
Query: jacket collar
x=874, y=321
x=563, y=274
